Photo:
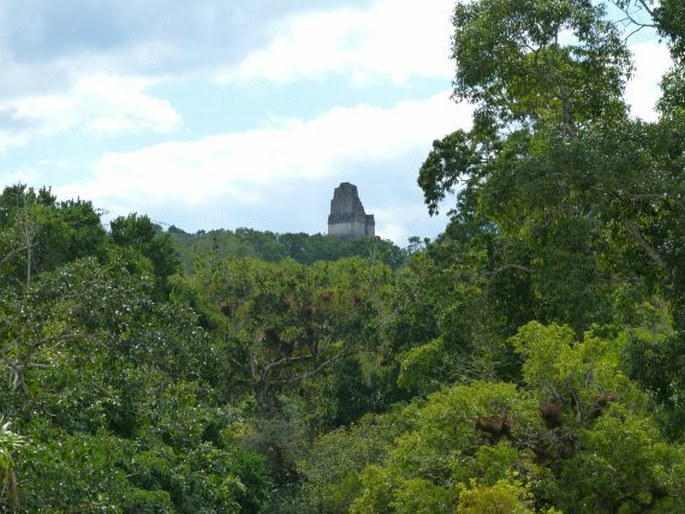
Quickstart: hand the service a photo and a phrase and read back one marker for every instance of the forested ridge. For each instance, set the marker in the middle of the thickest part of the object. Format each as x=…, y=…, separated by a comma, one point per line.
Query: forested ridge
x=272, y=247
x=529, y=359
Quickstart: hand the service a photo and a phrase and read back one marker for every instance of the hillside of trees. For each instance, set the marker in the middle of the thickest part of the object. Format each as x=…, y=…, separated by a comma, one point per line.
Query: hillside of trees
x=272, y=247
x=530, y=359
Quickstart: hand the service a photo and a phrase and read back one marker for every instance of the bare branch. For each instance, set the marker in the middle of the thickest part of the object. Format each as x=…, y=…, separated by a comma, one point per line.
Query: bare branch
x=269, y=368
x=313, y=372
x=506, y=267
x=646, y=7
x=633, y=20
x=642, y=243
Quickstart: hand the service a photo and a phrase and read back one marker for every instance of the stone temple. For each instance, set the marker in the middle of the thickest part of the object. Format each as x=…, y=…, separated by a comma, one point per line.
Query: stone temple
x=347, y=219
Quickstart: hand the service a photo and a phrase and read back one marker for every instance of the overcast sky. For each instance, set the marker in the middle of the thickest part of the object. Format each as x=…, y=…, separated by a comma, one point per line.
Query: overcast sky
x=245, y=113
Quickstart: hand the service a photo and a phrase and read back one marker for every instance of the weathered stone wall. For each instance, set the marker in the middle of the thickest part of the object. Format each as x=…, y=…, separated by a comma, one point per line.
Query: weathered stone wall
x=347, y=218
x=347, y=229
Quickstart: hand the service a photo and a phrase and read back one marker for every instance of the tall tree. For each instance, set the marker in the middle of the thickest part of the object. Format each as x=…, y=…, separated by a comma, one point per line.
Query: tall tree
x=553, y=165
x=136, y=236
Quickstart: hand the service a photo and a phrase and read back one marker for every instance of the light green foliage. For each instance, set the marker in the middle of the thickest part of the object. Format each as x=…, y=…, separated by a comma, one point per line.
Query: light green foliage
x=377, y=492
x=503, y=497
x=422, y=367
x=481, y=430
x=443, y=444
x=618, y=459
x=559, y=366
x=542, y=347
x=625, y=466
x=581, y=439
x=420, y=496
x=387, y=493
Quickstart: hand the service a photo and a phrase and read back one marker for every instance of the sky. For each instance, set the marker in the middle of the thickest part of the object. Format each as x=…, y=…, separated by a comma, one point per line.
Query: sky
x=209, y=114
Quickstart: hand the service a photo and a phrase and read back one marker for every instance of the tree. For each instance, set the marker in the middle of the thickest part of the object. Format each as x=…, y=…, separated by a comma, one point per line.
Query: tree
x=421, y=457
x=116, y=393
x=549, y=61
x=501, y=498
x=570, y=213
x=576, y=200
x=136, y=236
x=286, y=323
x=271, y=247
x=38, y=234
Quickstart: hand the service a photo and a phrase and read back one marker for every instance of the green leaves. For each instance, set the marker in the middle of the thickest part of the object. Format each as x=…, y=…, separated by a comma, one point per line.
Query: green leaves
x=10, y=443
x=670, y=18
x=137, y=237
x=545, y=61
x=452, y=160
x=100, y=373
x=38, y=234
x=423, y=367
x=462, y=432
x=624, y=467
x=501, y=498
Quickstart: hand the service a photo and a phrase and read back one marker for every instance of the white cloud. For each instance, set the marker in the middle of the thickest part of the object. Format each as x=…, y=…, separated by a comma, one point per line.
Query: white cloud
x=238, y=166
x=394, y=40
x=399, y=222
x=652, y=60
x=20, y=176
x=98, y=105
x=113, y=106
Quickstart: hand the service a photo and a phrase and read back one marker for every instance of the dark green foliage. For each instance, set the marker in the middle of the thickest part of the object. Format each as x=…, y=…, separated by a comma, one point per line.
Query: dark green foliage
x=293, y=322
x=112, y=386
x=135, y=237
x=38, y=234
x=271, y=247
x=516, y=63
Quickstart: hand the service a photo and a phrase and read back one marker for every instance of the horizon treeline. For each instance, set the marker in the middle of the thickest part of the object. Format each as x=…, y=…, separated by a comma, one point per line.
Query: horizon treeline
x=271, y=246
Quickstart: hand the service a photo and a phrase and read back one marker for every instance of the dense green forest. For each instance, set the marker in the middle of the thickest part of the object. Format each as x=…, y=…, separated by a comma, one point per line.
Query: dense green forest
x=530, y=359
x=268, y=246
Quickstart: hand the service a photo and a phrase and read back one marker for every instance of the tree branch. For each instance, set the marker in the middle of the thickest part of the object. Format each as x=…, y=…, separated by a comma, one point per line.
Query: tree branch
x=269, y=368
x=642, y=243
x=313, y=372
x=640, y=25
x=506, y=267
